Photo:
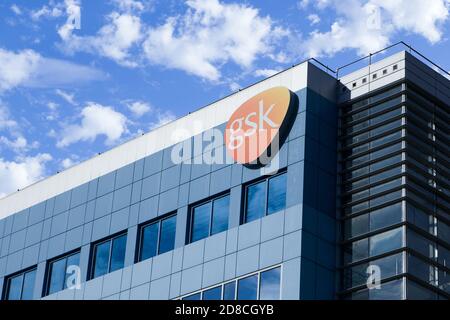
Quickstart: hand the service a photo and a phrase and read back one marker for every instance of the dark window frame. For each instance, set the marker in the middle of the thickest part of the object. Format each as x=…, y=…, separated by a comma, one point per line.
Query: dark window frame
x=265, y=179
x=197, y=204
x=48, y=269
x=95, y=245
x=7, y=281
x=142, y=226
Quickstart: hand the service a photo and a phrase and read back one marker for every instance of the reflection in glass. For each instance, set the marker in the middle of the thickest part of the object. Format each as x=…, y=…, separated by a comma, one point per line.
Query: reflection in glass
x=386, y=241
x=118, y=253
x=57, y=276
x=195, y=296
x=28, y=285
x=149, y=241
x=256, y=201
x=229, y=291
x=277, y=194
x=167, y=238
x=270, y=285
x=200, y=222
x=221, y=208
x=213, y=294
x=101, y=259
x=248, y=288
x=15, y=288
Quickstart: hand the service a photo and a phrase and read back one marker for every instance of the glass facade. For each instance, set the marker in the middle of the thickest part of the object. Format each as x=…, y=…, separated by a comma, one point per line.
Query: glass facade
x=265, y=285
x=395, y=195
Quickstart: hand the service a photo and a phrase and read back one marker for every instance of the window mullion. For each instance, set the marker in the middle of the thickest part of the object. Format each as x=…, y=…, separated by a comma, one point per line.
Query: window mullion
x=158, y=238
x=211, y=212
x=110, y=254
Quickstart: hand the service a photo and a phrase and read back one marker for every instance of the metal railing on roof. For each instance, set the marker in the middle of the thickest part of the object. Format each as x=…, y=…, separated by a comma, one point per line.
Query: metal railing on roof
x=399, y=45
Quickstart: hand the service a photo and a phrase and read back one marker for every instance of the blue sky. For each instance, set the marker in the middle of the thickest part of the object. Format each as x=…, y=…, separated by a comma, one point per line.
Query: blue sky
x=78, y=77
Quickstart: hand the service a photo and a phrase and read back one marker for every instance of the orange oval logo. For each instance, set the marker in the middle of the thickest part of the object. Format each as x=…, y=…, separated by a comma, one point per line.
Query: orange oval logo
x=257, y=129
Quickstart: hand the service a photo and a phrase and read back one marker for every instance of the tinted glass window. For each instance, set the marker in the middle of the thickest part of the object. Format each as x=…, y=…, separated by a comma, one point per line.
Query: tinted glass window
x=118, y=253
x=157, y=237
x=265, y=197
x=21, y=287
x=386, y=216
x=229, y=291
x=256, y=201
x=149, y=241
x=386, y=241
x=195, y=296
x=28, y=285
x=101, y=258
x=210, y=218
x=248, y=288
x=59, y=272
x=200, y=222
x=57, y=276
x=213, y=294
x=270, y=285
x=167, y=239
x=221, y=208
x=73, y=260
x=15, y=288
x=277, y=194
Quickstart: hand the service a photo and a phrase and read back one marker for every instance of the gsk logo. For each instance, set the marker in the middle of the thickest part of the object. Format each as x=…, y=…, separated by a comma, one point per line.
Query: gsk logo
x=257, y=129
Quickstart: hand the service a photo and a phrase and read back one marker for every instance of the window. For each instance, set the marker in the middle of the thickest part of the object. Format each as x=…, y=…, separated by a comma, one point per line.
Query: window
x=20, y=286
x=269, y=288
x=157, y=237
x=375, y=245
x=195, y=296
x=248, y=288
x=229, y=291
x=58, y=272
x=108, y=255
x=212, y=294
x=264, y=285
x=265, y=197
x=209, y=218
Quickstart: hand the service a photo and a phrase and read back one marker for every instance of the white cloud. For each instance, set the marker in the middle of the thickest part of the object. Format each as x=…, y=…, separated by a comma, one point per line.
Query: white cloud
x=113, y=40
x=19, y=144
x=6, y=122
x=210, y=34
x=369, y=26
x=162, y=117
x=234, y=86
x=139, y=108
x=15, y=68
x=52, y=106
x=68, y=162
x=313, y=19
x=46, y=12
x=96, y=120
x=265, y=72
x=15, y=8
x=28, y=68
x=66, y=96
x=133, y=5
x=21, y=172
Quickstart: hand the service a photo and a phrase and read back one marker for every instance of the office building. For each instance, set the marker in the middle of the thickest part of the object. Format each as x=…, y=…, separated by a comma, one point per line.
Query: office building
x=353, y=201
